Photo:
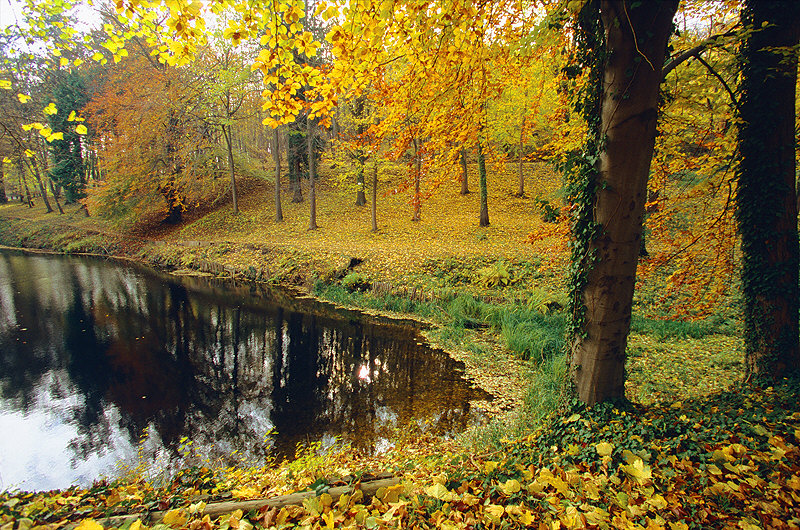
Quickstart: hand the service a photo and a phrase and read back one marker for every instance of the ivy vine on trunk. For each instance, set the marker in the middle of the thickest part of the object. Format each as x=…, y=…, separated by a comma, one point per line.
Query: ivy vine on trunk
x=766, y=193
x=623, y=44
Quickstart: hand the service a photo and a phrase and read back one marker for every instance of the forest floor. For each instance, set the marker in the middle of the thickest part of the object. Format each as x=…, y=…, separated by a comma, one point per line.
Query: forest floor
x=692, y=452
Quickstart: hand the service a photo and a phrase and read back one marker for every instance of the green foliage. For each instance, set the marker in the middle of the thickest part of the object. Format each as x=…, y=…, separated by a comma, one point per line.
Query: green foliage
x=531, y=335
x=664, y=329
x=548, y=212
x=495, y=275
x=467, y=311
x=579, y=168
x=547, y=392
x=355, y=281
x=69, y=169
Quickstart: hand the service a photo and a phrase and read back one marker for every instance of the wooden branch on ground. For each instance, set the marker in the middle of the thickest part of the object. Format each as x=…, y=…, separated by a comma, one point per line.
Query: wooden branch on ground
x=369, y=489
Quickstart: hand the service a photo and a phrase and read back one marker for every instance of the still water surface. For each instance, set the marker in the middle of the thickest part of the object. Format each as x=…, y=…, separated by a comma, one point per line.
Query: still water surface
x=94, y=353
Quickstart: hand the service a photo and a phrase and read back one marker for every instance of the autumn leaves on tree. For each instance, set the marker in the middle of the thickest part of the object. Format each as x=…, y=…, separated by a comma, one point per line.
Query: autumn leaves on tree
x=644, y=133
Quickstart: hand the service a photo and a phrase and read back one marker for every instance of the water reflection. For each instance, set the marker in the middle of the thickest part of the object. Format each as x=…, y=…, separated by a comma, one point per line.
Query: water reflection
x=93, y=353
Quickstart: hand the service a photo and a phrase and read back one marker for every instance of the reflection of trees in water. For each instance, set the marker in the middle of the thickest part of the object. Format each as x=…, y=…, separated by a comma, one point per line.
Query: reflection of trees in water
x=223, y=370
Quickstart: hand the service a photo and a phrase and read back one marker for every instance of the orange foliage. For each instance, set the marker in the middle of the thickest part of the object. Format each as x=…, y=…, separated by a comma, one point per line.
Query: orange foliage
x=155, y=152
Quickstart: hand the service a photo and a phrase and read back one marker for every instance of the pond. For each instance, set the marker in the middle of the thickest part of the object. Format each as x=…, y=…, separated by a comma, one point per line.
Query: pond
x=103, y=363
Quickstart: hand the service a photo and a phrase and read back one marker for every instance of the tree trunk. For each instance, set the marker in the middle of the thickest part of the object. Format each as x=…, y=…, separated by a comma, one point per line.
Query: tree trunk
x=636, y=35
x=464, y=186
x=766, y=192
x=361, y=197
x=40, y=182
x=374, y=206
x=417, y=200
x=226, y=132
x=3, y=197
x=484, y=220
x=276, y=156
x=520, y=177
x=312, y=170
x=293, y=146
x=53, y=190
x=358, y=112
x=22, y=184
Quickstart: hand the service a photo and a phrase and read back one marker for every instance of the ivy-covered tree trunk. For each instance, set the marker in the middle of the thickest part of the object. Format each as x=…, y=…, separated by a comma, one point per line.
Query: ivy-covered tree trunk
x=276, y=157
x=766, y=192
x=635, y=42
x=484, y=218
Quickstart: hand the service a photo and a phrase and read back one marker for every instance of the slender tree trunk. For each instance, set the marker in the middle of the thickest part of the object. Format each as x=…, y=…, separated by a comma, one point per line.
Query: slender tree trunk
x=374, y=206
x=276, y=156
x=55, y=197
x=520, y=157
x=42, y=189
x=3, y=197
x=226, y=132
x=464, y=184
x=766, y=192
x=361, y=197
x=22, y=184
x=293, y=145
x=484, y=220
x=417, y=201
x=312, y=170
x=636, y=35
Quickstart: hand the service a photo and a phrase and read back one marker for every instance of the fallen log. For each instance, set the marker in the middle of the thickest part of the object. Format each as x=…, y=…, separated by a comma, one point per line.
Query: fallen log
x=213, y=510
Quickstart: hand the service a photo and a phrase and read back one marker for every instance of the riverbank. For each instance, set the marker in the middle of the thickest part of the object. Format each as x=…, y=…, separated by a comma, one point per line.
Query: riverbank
x=691, y=454
x=432, y=267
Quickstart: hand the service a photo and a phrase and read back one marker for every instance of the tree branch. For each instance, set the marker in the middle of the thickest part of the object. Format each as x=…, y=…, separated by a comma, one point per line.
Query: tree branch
x=694, y=52
x=721, y=80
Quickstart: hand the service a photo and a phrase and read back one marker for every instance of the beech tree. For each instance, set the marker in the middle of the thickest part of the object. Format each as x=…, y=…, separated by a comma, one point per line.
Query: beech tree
x=625, y=42
x=766, y=194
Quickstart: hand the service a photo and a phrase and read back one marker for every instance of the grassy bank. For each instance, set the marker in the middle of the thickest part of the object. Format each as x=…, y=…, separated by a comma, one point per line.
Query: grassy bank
x=495, y=301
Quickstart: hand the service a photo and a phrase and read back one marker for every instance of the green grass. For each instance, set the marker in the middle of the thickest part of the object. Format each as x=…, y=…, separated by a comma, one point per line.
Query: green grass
x=667, y=329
